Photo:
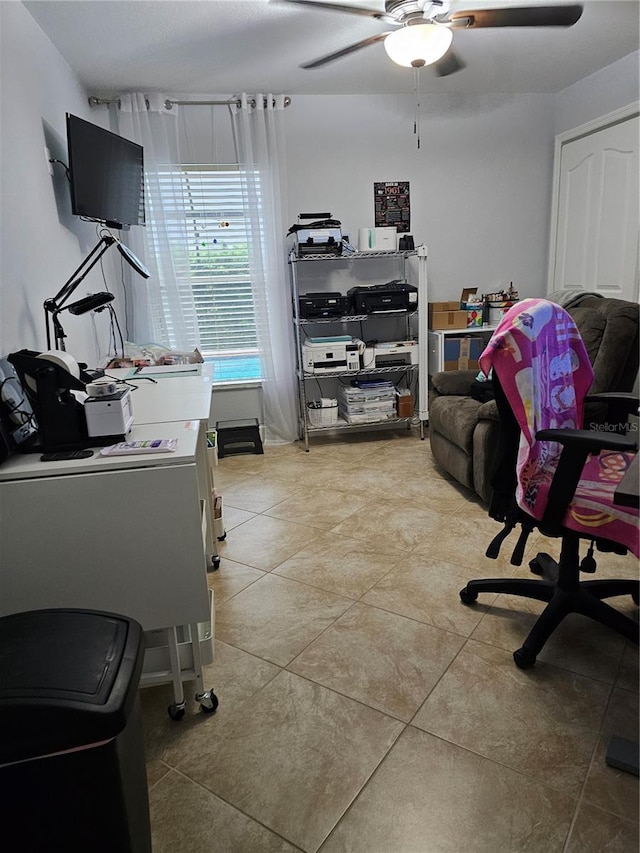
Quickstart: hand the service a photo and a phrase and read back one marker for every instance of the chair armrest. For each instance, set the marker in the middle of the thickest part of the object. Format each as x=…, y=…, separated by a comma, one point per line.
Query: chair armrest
x=453, y=382
x=619, y=405
x=489, y=411
x=577, y=444
x=587, y=441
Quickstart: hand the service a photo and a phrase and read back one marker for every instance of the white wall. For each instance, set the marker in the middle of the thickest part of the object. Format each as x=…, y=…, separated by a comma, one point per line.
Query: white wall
x=480, y=184
x=612, y=87
x=41, y=242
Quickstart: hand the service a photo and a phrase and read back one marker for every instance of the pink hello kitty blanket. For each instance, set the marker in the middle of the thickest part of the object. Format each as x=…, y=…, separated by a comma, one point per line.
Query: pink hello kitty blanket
x=543, y=367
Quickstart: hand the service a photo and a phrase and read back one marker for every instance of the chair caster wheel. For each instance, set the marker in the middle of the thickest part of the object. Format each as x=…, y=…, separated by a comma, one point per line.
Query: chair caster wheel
x=215, y=564
x=468, y=596
x=524, y=659
x=176, y=712
x=208, y=701
x=535, y=567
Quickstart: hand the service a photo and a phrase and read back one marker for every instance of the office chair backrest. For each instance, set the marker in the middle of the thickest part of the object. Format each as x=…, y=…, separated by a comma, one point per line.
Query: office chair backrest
x=543, y=368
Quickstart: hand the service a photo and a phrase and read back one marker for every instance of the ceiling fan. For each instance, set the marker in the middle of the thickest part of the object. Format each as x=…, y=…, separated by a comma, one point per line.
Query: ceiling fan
x=426, y=28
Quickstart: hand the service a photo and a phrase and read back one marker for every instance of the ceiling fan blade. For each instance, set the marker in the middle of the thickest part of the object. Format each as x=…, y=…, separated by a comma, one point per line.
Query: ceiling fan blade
x=523, y=16
x=324, y=60
x=336, y=7
x=448, y=65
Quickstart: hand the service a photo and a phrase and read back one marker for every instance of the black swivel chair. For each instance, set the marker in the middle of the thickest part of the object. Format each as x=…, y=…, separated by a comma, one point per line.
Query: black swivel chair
x=560, y=585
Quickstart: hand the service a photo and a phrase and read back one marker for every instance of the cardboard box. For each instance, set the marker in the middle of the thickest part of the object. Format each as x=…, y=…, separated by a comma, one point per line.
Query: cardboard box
x=444, y=306
x=462, y=353
x=453, y=314
x=405, y=405
x=448, y=319
x=474, y=316
x=466, y=293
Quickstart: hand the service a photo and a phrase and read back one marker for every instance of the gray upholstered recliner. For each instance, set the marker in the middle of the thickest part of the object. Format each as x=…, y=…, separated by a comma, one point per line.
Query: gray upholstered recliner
x=463, y=432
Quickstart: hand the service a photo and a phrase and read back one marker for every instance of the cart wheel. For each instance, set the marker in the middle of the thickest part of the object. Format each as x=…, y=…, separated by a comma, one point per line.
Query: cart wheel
x=223, y=537
x=176, y=712
x=208, y=701
x=215, y=563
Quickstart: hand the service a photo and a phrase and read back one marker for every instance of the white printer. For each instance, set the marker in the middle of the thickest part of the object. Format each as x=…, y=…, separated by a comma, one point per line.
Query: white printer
x=331, y=354
x=109, y=415
x=393, y=354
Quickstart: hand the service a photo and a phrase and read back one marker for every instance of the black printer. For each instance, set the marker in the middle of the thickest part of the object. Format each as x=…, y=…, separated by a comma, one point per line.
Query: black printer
x=393, y=296
x=314, y=305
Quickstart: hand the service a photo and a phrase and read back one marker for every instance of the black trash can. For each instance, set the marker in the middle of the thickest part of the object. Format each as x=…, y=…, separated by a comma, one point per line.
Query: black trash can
x=72, y=768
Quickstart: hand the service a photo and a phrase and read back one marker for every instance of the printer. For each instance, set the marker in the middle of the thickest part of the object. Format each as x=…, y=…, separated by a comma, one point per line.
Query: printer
x=323, y=236
x=331, y=354
x=393, y=296
x=393, y=354
x=109, y=415
x=315, y=305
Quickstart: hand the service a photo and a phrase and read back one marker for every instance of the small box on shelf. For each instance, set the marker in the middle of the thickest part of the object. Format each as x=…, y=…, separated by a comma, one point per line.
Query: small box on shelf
x=474, y=316
x=447, y=318
x=404, y=403
x=462, y=353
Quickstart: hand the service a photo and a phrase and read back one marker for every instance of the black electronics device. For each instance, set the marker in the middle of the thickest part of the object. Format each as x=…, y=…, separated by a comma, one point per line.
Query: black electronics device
x=317, y=305
x=106, y=173
x=393, y=296
x=18, y=425
x=323, y=236
x=63, y=455
x=61, y=420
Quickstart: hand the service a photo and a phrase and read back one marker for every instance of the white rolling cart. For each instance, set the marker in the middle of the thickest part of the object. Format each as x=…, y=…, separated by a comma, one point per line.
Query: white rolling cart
x=178, y=654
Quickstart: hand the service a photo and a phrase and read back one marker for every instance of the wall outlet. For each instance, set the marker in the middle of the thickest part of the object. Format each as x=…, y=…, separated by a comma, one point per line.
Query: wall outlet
x=47, y=155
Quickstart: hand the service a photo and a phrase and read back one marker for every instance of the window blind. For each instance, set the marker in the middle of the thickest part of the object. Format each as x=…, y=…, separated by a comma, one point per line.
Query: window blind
x=207, y=225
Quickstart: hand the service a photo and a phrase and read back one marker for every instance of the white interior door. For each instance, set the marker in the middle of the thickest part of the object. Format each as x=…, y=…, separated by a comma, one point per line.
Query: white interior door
x=597, y=213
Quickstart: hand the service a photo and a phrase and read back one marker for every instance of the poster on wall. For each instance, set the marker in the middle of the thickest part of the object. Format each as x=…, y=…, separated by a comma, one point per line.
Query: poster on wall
x=391, y=203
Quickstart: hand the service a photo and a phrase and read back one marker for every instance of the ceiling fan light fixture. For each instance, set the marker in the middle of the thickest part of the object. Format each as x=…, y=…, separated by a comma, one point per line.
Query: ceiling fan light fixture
x=418, y=45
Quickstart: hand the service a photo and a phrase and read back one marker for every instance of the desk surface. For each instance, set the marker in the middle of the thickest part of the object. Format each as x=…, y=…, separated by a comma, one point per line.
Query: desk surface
x=175, y=397
x=167, y=408
x=28, y=465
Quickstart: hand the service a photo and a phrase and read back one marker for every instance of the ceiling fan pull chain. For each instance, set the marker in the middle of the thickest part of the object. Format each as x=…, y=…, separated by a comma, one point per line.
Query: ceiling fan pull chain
x=416, y=91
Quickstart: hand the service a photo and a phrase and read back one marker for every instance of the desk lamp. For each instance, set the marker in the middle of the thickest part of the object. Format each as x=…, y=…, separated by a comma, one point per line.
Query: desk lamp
x=94, y=302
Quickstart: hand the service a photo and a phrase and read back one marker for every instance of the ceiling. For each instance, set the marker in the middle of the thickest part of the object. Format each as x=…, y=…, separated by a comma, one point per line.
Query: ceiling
x=228, y=46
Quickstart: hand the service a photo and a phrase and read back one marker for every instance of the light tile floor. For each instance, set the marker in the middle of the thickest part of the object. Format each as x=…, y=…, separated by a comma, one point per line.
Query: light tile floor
x=362, y=707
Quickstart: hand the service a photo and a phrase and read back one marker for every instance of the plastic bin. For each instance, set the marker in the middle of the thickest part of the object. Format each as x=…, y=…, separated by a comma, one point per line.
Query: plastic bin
x=72, y=768
x=323, y=412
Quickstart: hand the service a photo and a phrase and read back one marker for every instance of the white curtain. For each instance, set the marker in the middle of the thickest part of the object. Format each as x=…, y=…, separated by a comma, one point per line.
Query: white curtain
x=155, y=315
x=259, y=139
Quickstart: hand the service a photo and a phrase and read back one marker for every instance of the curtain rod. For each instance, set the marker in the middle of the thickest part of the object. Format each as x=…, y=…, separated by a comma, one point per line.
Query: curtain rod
x=168, y=104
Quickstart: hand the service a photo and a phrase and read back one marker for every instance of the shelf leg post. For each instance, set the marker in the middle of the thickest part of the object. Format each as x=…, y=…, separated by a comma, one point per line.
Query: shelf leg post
x=176, y=672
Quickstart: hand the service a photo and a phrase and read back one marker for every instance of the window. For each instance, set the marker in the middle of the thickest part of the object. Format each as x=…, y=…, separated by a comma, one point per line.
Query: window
x=206, y=224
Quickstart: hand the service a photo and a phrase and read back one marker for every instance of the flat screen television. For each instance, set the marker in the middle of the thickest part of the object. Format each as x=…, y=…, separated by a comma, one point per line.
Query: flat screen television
x=106, y=173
